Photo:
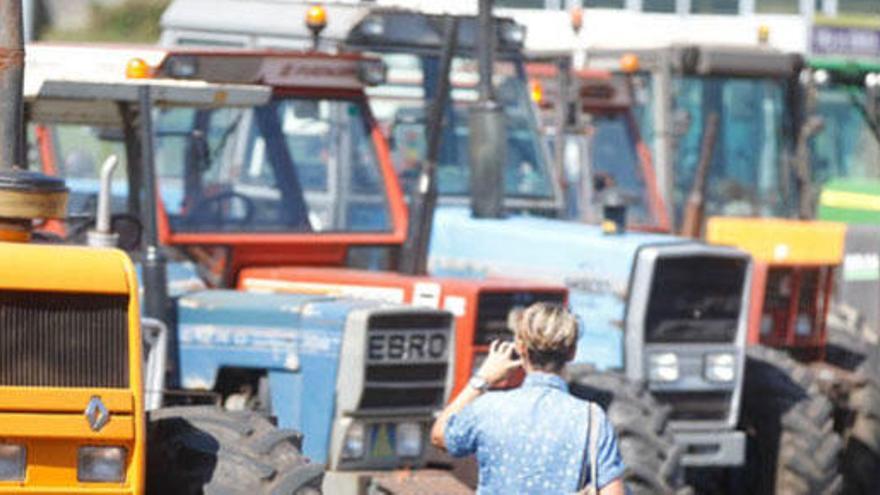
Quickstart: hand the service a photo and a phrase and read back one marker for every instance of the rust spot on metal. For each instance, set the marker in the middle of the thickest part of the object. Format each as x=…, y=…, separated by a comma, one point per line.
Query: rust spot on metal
x=11, y=57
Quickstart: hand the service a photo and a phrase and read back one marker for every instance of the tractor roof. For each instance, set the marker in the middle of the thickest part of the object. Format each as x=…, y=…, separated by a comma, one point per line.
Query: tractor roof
x=83, y=83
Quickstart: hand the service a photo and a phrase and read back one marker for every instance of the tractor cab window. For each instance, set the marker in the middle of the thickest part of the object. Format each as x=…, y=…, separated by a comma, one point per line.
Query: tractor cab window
x=304, y=166
x=615, y=164
x=401, y=105
x=846, y=146
x=745, y=175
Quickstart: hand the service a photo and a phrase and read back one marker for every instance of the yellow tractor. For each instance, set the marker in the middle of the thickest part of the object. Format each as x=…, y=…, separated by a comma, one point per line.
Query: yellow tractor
x=73, y=408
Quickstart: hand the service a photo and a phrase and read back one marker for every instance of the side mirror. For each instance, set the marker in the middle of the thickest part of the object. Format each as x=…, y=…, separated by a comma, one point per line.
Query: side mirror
x=488, y=142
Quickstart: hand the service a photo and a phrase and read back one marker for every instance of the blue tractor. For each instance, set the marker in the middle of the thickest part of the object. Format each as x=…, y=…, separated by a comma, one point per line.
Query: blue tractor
x=354, y=382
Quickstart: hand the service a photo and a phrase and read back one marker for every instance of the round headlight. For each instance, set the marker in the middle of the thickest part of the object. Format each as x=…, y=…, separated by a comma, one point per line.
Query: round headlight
x=663, y=367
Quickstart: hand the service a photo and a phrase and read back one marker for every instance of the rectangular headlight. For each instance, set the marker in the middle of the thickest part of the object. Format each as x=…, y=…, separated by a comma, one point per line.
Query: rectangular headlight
x=719, y=367
x=13, y=462
x=354, y=445
x=101, y=464
x=409, y=440
x=663, y=367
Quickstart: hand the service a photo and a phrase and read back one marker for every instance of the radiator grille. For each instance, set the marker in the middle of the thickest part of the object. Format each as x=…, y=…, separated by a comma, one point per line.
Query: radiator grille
x=63, y=340
x=495, y=306
x=406, y=367
x=696, y=406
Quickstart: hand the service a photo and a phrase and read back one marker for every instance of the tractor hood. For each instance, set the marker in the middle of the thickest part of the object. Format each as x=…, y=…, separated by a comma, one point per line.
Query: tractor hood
x=596, y=267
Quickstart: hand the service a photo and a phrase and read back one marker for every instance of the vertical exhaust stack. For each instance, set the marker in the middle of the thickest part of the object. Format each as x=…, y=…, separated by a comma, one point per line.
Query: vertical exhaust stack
x=24, y=196
x=488, y=135
x=11, y=85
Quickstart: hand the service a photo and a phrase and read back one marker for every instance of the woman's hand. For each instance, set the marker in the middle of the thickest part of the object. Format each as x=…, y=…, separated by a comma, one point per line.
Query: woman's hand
x=500, y=362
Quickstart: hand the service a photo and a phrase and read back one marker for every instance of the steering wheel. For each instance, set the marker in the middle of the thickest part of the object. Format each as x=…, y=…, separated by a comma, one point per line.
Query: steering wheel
x=210, y=210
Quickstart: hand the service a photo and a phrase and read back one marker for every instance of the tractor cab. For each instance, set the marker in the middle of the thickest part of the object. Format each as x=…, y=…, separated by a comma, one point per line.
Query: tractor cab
x=588, y=119
x=309, y=183
x=746, y=96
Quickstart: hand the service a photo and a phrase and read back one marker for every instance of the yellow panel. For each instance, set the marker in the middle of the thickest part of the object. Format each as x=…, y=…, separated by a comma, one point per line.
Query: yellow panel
x=73, y=426
x=40, y=399
x=63, y=268
x=52, y=464
x=781, y=242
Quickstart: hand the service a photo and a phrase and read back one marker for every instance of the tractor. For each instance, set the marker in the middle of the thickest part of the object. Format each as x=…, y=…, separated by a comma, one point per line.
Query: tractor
x=733, y=160
x=684, y=366
x=197, y=205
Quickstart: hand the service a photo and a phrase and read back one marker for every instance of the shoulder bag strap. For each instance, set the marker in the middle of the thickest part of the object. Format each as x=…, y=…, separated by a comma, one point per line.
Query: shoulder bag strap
x=594, y=449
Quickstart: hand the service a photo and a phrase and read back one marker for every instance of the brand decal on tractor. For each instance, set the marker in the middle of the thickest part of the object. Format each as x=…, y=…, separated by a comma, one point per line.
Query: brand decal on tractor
x=407, y=346
x=96, y=414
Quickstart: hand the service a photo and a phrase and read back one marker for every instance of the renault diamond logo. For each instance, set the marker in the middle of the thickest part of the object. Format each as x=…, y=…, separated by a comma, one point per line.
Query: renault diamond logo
x=97, y=414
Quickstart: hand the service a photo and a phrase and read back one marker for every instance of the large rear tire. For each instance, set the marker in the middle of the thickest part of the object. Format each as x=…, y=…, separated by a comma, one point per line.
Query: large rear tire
x=793, y=448
x=195, y=450
x=653, y=461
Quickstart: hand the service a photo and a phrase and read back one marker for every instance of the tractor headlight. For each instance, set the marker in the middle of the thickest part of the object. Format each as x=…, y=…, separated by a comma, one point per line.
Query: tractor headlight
x=354, y=444
x=803, y=327
x=103, y=464
x=663, y=367
x=409, y=440
x=720, y=367
x=13, y=461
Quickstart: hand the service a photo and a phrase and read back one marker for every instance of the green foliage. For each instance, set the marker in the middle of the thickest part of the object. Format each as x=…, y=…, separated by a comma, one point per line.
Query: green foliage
x=129, y=21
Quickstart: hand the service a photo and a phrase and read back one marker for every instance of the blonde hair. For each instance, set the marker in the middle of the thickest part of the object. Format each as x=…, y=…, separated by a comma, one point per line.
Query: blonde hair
x=549, y=332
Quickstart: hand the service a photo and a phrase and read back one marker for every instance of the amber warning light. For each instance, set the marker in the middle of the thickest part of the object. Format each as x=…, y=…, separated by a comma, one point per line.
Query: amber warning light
x=136, y=68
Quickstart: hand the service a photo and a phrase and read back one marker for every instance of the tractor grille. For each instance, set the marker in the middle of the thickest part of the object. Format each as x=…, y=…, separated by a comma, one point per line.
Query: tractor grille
x=407, y=361
x=495, y=306
x=63, y=340
x=696, y=406
x=695, y=299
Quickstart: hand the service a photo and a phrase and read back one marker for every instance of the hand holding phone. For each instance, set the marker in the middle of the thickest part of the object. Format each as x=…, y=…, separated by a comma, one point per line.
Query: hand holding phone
x=502, y=359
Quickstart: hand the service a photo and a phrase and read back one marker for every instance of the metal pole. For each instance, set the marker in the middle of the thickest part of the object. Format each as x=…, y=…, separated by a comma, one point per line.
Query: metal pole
x=155, y=304
x=488, y=135
x=485, y=50
x=11, y=84
x=414, y=258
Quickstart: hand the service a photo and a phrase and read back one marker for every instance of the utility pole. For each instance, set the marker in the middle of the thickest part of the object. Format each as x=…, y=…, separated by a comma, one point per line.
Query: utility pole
x=11, y=84
x=488, y=135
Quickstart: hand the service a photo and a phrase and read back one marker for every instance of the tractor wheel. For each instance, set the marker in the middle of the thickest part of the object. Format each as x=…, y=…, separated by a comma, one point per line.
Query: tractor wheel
x=205, y=449
x=793, y=448
x=652, y=459
x=849, y=338
x=852, y=346
x=861, y=456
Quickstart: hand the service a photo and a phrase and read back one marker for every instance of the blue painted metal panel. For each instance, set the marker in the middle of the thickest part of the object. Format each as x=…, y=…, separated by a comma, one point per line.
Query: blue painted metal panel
x=296, y=338
x=594, y=266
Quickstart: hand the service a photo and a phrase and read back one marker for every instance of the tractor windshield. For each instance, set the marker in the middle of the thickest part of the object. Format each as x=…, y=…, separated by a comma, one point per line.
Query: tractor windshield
x=400, y=104
x=746, y=175
x=304, y=166
x=846, y=146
